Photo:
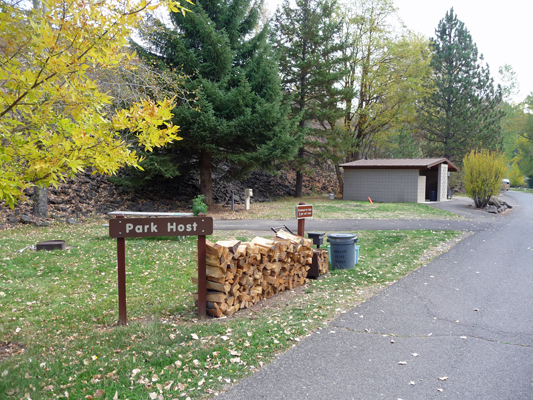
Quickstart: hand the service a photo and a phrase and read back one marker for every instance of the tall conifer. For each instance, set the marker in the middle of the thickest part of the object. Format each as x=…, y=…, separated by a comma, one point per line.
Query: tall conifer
x=463, y=111
x=238, y=118
x=309, y=47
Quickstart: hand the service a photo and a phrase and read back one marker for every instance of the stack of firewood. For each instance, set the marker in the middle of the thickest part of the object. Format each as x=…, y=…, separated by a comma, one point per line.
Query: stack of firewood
x=323, y=261
x=241, y=274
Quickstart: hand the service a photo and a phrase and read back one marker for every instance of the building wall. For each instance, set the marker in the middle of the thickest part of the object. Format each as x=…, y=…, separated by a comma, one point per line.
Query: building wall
x=443, y=182
x=421, y=189
x=385, y=185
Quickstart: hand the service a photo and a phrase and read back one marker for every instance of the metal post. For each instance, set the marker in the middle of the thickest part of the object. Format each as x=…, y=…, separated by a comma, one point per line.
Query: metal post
x=202, y=291
x=121, y=266
x=232, y=201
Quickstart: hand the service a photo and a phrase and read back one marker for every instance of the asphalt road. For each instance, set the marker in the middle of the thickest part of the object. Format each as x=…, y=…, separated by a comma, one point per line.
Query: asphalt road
x=460, y=327
x=476, y=220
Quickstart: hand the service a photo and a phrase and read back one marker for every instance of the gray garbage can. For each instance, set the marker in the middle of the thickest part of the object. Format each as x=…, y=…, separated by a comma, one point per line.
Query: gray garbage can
x=342, y=246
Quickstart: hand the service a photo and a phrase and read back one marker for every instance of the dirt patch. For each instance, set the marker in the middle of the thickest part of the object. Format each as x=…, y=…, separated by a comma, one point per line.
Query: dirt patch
x=8, y=349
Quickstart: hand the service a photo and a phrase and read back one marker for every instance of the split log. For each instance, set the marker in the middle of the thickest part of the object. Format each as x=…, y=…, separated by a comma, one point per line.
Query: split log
x=230, y=245
x=215, y=313
x=295, y=239
x=214, y=272
x=213, y=248
x=241, y=250
x=215, y=297
x=216, y=286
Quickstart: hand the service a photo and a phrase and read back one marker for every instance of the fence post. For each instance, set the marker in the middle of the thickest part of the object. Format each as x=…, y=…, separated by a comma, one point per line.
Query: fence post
x=121, y=267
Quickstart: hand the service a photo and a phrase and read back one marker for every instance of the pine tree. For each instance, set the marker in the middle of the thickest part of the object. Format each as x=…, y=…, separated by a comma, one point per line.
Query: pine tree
x=307, y=41
x=463, y=111
x=237, y=118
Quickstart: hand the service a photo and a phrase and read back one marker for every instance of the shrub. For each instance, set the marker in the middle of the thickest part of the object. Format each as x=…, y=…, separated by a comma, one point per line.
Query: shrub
x=515, y=176
x=483, y=172
x=198, y=205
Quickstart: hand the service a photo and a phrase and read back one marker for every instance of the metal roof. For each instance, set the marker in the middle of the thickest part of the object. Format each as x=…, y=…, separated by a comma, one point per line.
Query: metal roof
x=400, y=163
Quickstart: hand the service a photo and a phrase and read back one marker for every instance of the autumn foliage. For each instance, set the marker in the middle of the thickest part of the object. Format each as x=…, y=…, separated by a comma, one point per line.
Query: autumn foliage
x=483, y=172
x=53, y=116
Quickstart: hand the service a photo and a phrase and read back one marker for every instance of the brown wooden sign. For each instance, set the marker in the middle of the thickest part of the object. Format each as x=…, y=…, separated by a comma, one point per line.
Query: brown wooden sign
x=147, y=227
x=304, y=211
x=122, y=228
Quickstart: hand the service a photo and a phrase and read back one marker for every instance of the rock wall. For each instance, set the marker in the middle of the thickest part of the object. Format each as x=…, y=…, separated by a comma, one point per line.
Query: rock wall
x=93, y=194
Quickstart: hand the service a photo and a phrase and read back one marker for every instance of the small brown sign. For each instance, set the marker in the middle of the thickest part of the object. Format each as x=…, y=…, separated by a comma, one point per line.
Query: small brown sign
x=304, y=211
x=149, y=227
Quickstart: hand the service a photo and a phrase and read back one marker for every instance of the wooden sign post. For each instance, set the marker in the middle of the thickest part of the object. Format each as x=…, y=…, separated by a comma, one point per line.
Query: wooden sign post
x=122, y=228
x=303, y=211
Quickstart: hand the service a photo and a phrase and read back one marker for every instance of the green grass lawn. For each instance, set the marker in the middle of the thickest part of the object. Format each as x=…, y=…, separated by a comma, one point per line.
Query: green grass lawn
x=58, y=311
x=324, y=208
x=523, y=190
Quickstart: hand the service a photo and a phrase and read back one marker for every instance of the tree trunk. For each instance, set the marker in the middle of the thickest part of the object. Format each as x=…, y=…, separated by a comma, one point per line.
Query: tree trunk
x=40, y=201
x=340, y=180
x=299, y=184
x=206, y=180
x=299, y=175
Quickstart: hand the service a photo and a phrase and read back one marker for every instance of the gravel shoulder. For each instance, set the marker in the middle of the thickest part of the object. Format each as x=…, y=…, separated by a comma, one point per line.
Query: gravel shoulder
x=464, y=207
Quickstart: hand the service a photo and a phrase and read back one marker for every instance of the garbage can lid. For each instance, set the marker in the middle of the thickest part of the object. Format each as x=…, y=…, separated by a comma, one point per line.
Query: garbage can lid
x=336, y=237
x=315, y=234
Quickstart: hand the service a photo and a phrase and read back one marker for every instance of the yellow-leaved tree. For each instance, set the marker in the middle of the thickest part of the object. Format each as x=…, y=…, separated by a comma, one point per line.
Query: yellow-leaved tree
x=483, y=174
x=516, y=177
x=53, y=118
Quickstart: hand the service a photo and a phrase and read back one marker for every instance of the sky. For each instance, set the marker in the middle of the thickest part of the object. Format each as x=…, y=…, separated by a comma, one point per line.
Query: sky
x=501, y=30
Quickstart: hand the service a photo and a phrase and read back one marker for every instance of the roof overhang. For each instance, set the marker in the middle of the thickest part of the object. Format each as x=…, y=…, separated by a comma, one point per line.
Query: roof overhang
x=400, y=163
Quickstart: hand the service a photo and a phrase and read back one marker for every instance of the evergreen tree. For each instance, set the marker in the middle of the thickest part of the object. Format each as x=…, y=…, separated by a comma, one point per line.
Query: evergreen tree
x=463, y=111
x=308, y=45
x=237, y=117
